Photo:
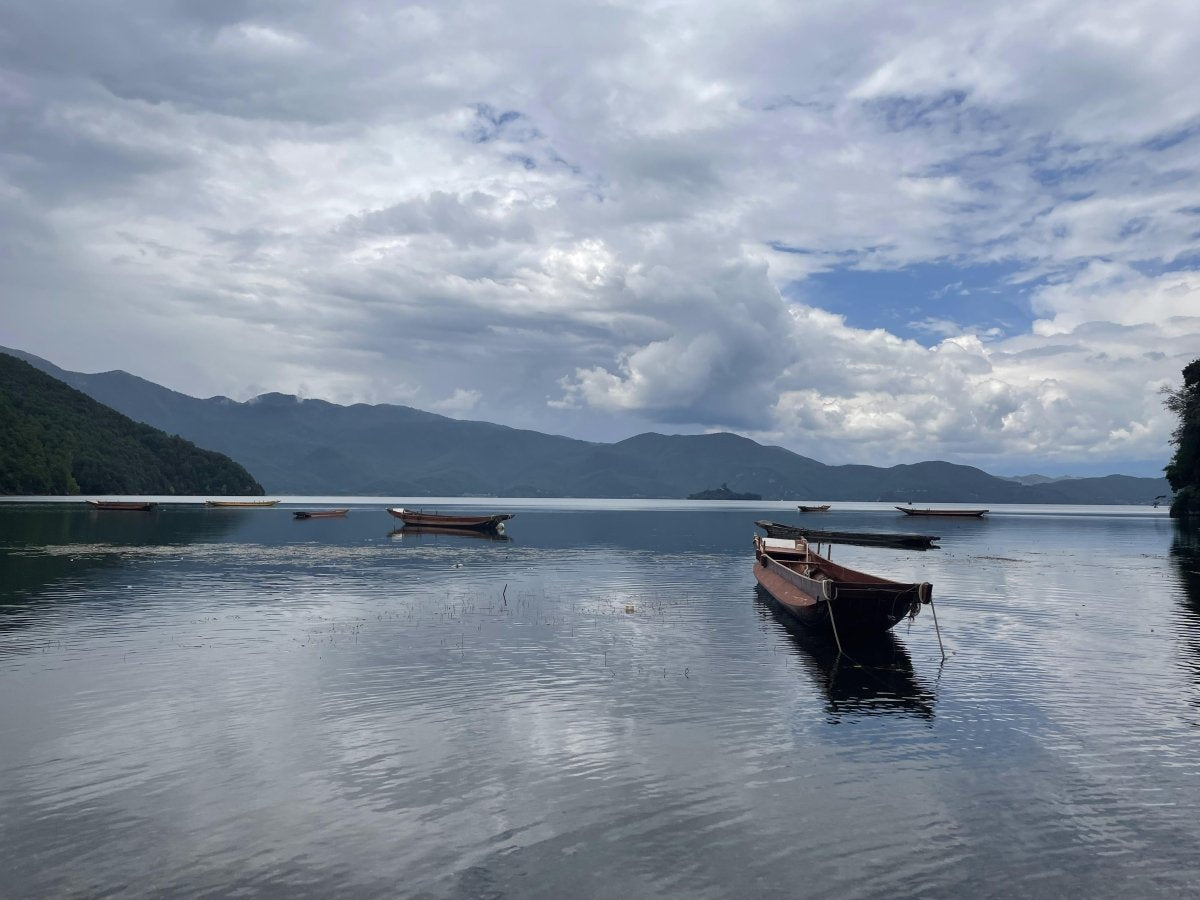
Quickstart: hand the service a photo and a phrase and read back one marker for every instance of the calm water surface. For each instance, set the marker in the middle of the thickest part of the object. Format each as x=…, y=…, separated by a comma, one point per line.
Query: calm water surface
x=232, y=702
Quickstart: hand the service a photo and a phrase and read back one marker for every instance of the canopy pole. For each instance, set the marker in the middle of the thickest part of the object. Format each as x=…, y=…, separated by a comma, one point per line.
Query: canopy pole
x=829, y=606
x=825, y=585
x=936, y=630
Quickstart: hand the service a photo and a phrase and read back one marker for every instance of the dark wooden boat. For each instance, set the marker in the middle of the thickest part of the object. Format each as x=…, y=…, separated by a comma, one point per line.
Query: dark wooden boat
x=416, y=519
x=127, y=505
x=320, y=513
x=240, y=503
x=818, y=591
x=906, y=541
x=909, y=511
x=822, y=508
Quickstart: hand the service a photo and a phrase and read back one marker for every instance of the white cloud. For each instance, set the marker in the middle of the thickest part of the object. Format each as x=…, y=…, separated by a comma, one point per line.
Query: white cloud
x=561, y=217
x=459, y=402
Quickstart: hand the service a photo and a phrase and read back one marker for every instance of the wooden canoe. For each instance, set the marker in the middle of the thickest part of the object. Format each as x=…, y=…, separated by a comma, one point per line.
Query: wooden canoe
x=320, y=513
x=493, y=522
x=127, y=505
x=819, y=592
x=240, y=503
x=822, y=508
x=910, y=511
x=905, y=540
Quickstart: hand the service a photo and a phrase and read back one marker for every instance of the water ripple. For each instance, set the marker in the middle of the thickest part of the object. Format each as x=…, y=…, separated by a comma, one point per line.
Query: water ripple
x=338, y=713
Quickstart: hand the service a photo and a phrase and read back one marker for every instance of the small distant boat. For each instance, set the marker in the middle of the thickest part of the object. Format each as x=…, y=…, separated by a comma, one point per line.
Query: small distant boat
x=818, y=591
x=417, y=519
x=822, y=508
x=127, y=505
x=909, y=511
x=240, y=503
x=320, y=513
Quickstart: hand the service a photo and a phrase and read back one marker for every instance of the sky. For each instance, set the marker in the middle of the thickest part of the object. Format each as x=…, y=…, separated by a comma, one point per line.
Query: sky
x=868, y=232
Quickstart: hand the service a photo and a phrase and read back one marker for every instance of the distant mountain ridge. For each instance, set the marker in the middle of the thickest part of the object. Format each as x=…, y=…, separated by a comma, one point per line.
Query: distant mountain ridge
x=58, y=440
x=316, y=447
x=1038, y=479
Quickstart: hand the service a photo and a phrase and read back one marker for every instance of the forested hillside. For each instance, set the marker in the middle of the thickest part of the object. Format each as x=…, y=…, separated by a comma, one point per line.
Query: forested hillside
x=1183, y=471
x=57, y=440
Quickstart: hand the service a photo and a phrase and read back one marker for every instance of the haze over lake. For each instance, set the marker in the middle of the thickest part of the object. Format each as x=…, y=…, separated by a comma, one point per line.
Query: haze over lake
x=598, y=704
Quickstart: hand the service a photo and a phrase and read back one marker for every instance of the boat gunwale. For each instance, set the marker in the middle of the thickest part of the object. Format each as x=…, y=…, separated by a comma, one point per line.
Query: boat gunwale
x=927, y=511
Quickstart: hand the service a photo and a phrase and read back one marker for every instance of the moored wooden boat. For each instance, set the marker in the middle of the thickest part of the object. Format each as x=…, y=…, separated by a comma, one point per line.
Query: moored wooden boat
x=417, y=519
x=824, y=507
x=127, y=505
x=818, y=591
x=910, y=511
x=906, y=540
x=320, y=513
x=240, y=503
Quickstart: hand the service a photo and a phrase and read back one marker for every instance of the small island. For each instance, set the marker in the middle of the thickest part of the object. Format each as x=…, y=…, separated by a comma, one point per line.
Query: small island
x=723, y=493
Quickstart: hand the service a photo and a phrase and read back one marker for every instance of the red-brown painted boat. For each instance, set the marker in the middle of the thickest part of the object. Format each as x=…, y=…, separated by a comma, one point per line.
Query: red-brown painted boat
x=909, y=511
x=819, y=592
x=417, y=519
x=127, y=505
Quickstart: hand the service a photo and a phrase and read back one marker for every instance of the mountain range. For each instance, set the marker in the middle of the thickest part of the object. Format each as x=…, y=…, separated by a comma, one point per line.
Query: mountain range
x=313, y=447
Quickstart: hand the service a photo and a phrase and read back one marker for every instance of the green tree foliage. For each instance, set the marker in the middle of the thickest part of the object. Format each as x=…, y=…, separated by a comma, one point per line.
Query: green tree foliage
x=1183, y=471
x=56, y=440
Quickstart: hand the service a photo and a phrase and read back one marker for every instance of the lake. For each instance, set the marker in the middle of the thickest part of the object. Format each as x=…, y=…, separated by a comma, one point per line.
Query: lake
x=233, y=702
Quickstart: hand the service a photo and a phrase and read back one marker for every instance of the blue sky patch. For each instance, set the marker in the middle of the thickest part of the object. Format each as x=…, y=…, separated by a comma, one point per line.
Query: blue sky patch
x=918, y=302
x=1152, y=268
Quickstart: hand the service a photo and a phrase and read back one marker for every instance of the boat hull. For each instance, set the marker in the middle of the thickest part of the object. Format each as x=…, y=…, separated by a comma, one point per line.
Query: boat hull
x=962, y=513
x=850, y=602
x=423, y=520
x=240, y=504
x=125, y=505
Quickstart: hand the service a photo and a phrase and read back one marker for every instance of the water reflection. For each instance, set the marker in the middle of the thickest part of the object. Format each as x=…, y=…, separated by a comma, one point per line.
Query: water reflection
x=875, y=676
x=410, y=533
x=318, y=709
x=1185, y=557
x=42, y=545
x=1185, y=554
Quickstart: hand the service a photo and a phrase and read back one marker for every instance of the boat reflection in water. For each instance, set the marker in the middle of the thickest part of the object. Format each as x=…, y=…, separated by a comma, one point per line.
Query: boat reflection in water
x=875, y=676
x=409, y=532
